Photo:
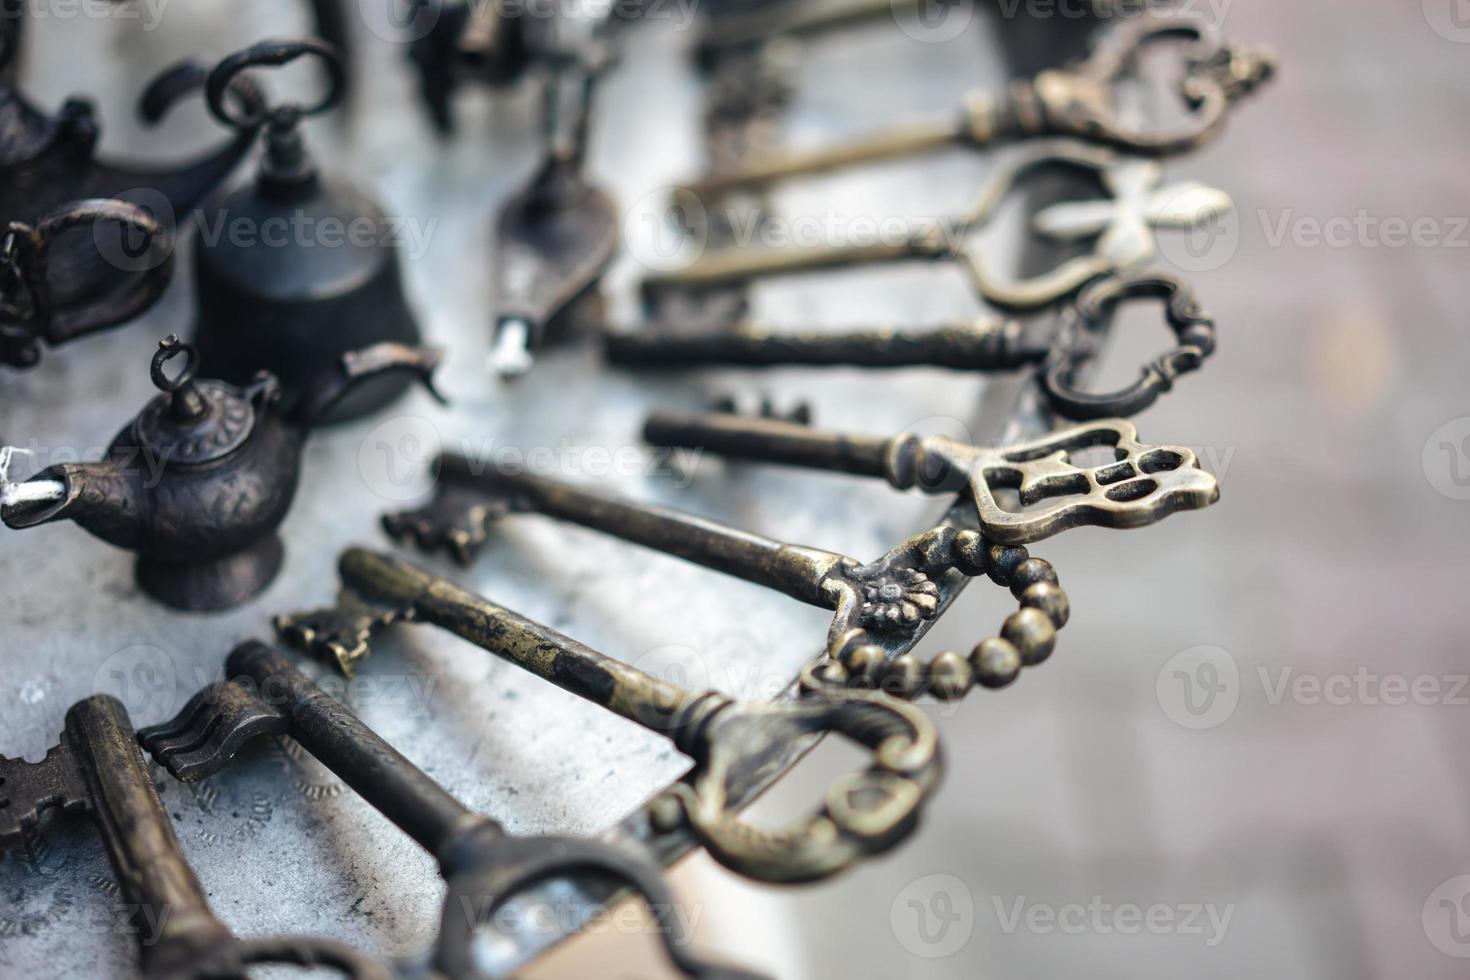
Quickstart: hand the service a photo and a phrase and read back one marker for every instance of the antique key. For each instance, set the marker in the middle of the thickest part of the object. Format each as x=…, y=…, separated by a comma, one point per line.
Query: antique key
x=1140, y=485
x=862, y=814
x=881, y=608
x=986, y=345
x=96, y=767
x=1121, y=226
x=484, y=867
x=1075, y=101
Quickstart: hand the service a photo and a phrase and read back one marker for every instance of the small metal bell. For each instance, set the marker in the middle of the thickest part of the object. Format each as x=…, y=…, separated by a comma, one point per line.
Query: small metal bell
x=288, y=280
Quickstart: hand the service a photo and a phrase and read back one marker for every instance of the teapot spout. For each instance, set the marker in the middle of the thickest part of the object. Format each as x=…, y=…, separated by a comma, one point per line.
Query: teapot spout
x=101, y=497
x=357, y=367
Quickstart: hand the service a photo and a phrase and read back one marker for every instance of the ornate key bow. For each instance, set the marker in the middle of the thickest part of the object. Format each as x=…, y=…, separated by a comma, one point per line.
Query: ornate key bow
x=861, y=814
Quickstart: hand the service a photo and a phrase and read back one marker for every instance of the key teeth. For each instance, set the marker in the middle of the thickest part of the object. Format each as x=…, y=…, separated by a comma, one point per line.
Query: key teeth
x=456, y=523
x=215, y=724
x=339, y=635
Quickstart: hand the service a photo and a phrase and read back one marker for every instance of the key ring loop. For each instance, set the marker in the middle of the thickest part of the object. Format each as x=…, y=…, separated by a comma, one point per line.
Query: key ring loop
x=273, y=54
x=1082, y=329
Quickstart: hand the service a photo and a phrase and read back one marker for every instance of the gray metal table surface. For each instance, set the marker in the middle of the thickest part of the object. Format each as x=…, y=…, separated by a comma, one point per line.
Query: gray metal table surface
x=278, y=843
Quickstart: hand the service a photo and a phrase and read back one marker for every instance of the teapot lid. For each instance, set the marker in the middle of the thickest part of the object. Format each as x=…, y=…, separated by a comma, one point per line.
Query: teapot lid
x=194, y=422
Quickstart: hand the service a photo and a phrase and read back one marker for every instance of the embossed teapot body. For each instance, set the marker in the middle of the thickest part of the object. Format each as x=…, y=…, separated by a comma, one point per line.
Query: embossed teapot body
x=199, y=482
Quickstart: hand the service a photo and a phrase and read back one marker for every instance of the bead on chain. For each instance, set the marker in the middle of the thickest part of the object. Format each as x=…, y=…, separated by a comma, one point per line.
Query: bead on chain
x=1027, y=637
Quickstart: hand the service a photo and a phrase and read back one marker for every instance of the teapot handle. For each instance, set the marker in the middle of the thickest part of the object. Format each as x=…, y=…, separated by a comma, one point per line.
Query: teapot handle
x=359, y=365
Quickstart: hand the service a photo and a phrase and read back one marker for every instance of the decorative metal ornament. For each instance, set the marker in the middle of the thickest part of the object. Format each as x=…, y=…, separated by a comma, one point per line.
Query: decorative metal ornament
x=879, y=607
x=97, y=768
x=49, y=165
x=200, y=481
x=35, y=310
x=554, y=240
x=1123, y=240
x=861, y=814
x=483, y=866
x=1071, y=102
x=984, y=345
x=294, y=307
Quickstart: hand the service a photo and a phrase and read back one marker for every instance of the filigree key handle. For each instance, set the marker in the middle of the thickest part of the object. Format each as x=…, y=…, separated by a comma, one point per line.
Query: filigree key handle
x=1074, y=102
x=987, y=345
x=861, y=814
x=269, y=695
x=1141, y=485
x=1120, y=225
x=880, y=608
x=97, y=768
x=31, y=315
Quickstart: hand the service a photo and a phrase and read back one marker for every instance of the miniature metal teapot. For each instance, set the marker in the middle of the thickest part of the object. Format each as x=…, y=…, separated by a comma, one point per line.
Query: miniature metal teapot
x=297, y=268
x=199, y=482
x=48, y=162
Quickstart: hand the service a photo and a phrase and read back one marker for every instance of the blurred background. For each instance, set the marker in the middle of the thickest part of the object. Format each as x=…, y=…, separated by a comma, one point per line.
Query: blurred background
x=1241, y=759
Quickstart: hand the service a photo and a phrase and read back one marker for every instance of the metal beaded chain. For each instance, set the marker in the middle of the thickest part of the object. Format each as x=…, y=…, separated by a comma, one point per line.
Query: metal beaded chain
x=1026, y=639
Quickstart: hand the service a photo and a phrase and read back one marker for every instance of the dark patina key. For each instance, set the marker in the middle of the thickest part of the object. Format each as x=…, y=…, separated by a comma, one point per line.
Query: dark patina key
x=97, y=768
x=863, y=813
x=881, y=608
x=485, y=868
x=985, y=345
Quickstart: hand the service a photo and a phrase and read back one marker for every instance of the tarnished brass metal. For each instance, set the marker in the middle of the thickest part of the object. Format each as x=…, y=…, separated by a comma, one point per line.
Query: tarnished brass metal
x=1120, y=225
x=97, y=768
x=861, y=814
x=1140, y=485
x=880, y=606
x=484, y=867
x=1074, y=102
x=985, y=345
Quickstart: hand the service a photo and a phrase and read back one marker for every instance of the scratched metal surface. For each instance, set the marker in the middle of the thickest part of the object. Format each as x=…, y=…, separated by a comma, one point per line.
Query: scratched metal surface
x=279, y=843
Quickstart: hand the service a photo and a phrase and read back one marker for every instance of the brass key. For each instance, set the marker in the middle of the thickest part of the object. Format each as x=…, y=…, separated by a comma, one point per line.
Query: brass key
x=1075, y=101
x=1120, y=225
x=861, y=814
x=485, y=868
x=880, y=608
x=97, y=768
